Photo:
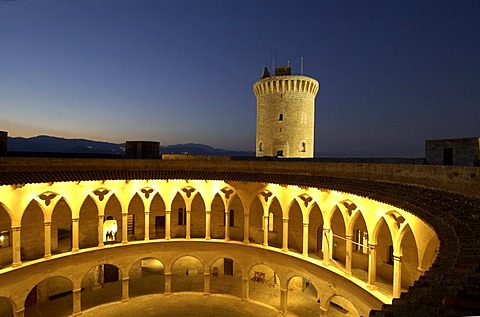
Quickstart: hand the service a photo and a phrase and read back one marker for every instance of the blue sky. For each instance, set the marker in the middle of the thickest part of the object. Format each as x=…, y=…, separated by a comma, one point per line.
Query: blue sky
x=392, y=73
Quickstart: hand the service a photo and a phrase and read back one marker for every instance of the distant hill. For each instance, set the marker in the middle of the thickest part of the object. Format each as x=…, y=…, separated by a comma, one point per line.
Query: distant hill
x=45, y=143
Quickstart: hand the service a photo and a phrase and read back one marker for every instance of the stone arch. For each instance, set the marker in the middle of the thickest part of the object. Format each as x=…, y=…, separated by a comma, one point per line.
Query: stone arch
x=264, y=285
x=178, y=216
x=157, y=218
x=6, y=237
x=198, y=221
x=295, y=227
x=256, y=222
x=32, y=233
x=341, y=305
x=101, y=284
x=88, y=224
x=187, y=274
x=136, y=219
x=61, y=227
x=302, y=297
x=7, y=307
x=360, y=238
x=113, y=212
x=410, y=262
x=146, y=276
x=431, y=252
x=384, y=250
x=315, y=230
x=338, y=229
x=226, y=277
x=217, y=217
x=236, y=218
x=47, y=293
x=275, y=224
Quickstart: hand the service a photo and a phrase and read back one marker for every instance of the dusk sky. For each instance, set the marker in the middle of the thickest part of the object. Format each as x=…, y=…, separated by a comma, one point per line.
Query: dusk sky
x=392, y=73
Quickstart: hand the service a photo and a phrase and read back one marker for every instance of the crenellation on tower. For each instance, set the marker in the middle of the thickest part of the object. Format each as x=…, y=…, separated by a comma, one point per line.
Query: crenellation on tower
x=285, y=114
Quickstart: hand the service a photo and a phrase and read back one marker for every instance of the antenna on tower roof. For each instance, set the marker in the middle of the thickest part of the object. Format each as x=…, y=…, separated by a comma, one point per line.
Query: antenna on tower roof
x=301, y=66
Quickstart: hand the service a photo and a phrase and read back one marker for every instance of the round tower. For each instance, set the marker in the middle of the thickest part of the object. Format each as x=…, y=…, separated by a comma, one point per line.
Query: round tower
x=285, y=114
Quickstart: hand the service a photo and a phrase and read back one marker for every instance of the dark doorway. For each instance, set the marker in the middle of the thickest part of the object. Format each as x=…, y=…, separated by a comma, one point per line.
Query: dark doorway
x=280, y=153
x=227, y=266
x=159, y=227
x=110, y=273
x=448, y=156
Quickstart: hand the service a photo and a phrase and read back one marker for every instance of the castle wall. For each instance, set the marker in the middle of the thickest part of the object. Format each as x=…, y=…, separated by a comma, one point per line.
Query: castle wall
x=465, y=152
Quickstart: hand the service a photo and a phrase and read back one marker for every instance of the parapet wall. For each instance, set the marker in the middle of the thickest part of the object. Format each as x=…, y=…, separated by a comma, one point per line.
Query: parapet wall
x=459, y=179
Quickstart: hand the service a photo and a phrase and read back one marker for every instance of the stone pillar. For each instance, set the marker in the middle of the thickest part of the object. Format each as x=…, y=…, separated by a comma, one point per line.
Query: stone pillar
x=245, y=288
x=17, y=261
x=188, y=233
x=372, y=266
x=283, y=300
x=206, y=283
x=207, y=225
x=397, y=275
x=326, y=245
x=48, y=239
x=246, y=228
x=20, y=312
x=168, y=283
x=75, y=235
x=227, y=225
x=77, y=303
x=265, y=231
x=348, y=254
x=124, y=228
x=168, y=214
x=305, y=239
x=100, y=230
x=147, y=225
x=125, y=289
x=285, y=235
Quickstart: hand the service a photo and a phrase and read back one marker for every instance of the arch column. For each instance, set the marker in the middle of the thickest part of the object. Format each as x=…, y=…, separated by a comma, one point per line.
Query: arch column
x=75, y=234
x=147, y=225
x=305, y=239
x=372, y=266
x=168, y=214
x=206, y=283
x=168, y=282
x=100, y=230
x=207, y=224
x=48, y=239
x=327, y=245
x=285, y=235
x=227, y=225
x=283, y=300
x=245, y=288
x=246, y=229
x=77, y=303
x=188, y=228
x=348, y=254
x=397, y=275
x=265, y=230
x=16, y=251
x=124, y=228
x=125, y=286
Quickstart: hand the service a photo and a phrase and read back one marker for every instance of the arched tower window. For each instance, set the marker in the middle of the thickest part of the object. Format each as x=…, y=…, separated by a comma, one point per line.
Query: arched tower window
x=303, y=147
x=260, y=146
x=280, y=117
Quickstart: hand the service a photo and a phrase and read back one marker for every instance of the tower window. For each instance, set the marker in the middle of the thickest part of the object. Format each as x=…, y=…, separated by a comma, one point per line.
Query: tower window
x=280, y=117
x=260, y=146
x=303, y=147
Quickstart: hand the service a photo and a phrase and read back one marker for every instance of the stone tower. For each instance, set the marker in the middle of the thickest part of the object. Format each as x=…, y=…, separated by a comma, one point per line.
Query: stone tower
x=285, y=114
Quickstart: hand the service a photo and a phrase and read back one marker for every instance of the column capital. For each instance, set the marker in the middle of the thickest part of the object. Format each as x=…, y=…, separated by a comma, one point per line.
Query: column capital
x=168, y=211
x=207, y=212
x=305, y=224
x=285, y=219
x=101, y=216
x=326, y=229
x=125, y=278
x=397, y=257
x=372, y=245
x=16, y=228
x=349, y=236
x=47, y=223
x=75, y=219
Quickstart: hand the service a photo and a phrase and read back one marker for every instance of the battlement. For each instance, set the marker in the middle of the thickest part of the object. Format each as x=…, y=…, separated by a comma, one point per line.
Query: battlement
x=282, y=84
